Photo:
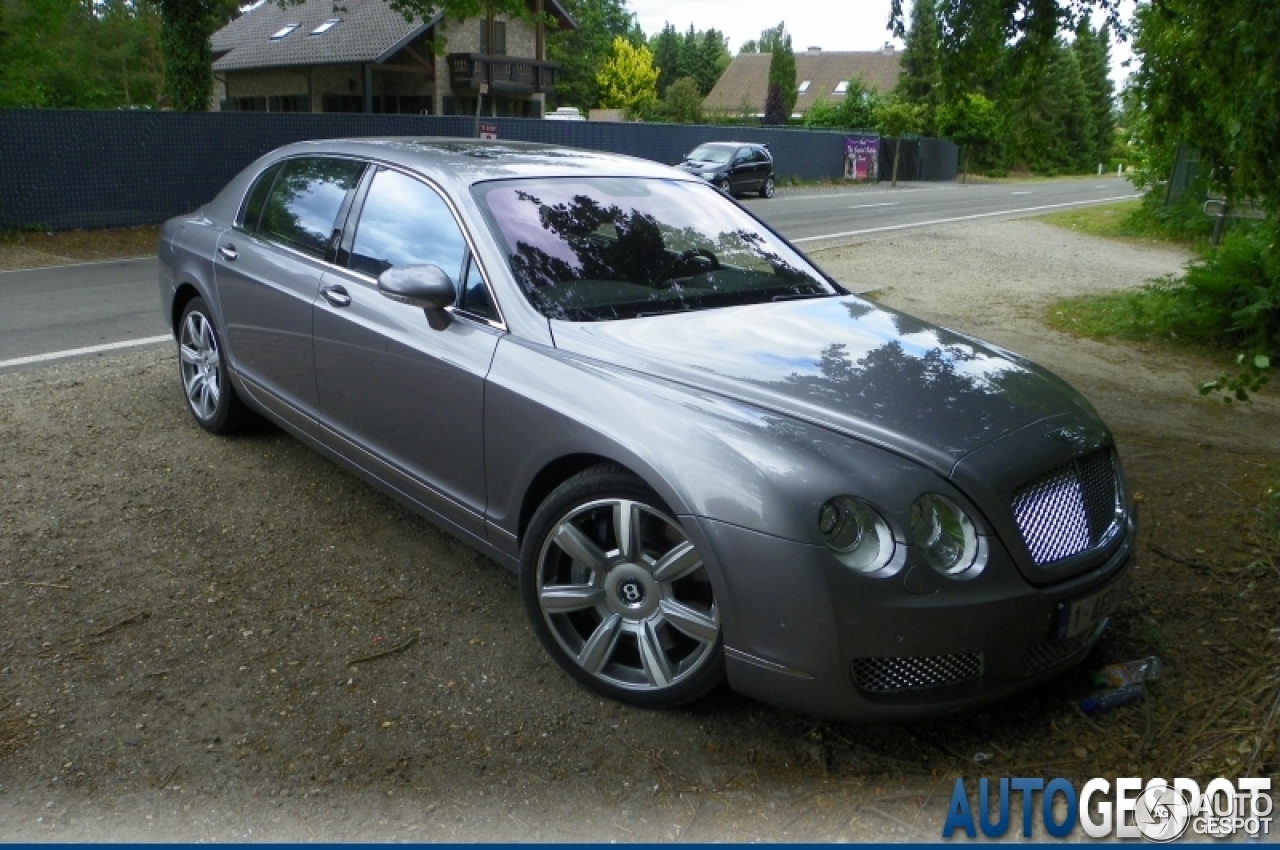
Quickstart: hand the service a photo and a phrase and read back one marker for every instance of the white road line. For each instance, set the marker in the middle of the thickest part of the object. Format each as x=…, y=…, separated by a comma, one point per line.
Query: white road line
x=958, y=218
x=868, y=206
x=77, y=265
x=1028, y=192
x=76, y=352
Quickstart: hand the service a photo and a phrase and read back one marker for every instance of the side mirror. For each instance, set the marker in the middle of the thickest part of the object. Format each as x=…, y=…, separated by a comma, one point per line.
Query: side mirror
x=427, y=287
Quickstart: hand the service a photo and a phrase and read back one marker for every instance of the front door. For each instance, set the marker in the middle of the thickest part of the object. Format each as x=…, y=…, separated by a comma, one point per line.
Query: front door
x=410, y=396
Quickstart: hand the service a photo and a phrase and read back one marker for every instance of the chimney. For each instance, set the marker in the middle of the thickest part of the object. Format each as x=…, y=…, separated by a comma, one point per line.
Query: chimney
x=887, y=50
x=813, y=51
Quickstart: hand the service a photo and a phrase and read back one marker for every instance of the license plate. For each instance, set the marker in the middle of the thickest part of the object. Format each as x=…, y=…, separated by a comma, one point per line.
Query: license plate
x=1080, y=615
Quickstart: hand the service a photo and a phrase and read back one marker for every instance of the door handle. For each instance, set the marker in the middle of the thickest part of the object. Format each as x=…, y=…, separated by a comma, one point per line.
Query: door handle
x=336, y=295
x=228, y=251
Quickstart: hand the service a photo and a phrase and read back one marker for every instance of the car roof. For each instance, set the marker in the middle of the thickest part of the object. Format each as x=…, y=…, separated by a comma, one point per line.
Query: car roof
x=733, y=145
x=463, y=162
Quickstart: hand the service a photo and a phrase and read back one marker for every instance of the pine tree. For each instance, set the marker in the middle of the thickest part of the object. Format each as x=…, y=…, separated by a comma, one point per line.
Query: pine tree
x=1093, y=54
x=782, y=74
x=921, y=70
x=666, y=56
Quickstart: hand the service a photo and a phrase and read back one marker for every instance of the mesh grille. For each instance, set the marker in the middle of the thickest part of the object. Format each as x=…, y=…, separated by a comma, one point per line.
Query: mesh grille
x=1050, y=654
x=1067, y=510
x=885, y=675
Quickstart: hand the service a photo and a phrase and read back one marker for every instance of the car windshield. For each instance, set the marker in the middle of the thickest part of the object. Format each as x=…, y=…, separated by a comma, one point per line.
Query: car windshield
x=711, y=153
x=596, y=249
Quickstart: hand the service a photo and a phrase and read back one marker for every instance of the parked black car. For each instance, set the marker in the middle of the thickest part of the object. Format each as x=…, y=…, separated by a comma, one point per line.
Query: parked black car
x=734, y=168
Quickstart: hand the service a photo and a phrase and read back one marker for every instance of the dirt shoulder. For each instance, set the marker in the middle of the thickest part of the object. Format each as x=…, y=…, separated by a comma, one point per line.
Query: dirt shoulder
x=180, y=613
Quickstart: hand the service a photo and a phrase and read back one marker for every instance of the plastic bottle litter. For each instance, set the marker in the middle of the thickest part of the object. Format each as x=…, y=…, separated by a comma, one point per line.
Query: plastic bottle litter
x=1104, y=701
x=1129, y=673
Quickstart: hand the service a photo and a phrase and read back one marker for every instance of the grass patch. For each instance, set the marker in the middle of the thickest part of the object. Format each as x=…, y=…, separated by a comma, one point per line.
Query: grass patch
x=1145, y=219
x=1141, y=315
x=1229, y=299
x=1110, y=220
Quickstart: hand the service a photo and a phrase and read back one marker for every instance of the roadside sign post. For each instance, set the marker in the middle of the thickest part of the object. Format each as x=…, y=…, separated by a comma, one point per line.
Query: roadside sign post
x=484, y=90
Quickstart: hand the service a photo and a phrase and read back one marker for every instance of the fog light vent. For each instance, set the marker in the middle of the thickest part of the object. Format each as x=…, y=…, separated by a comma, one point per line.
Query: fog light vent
x=887, y=675
x=1053, y=653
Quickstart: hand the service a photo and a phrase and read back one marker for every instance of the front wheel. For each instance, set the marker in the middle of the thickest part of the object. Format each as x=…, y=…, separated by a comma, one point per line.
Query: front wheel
x=725, y=186
x=766, y=188
x=203, y=369
x=619, y=595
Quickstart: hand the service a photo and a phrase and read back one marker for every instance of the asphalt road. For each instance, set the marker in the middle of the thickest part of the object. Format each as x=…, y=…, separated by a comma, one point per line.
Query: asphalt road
x=45, y=313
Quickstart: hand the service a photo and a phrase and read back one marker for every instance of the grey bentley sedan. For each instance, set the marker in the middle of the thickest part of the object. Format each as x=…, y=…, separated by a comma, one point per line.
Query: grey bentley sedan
x=708, y=460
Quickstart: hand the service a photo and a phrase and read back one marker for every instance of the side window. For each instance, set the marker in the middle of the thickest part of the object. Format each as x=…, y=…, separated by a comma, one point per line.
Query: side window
x=475, y=295
x=405, y=223
x=304, y=202
x=251, y=211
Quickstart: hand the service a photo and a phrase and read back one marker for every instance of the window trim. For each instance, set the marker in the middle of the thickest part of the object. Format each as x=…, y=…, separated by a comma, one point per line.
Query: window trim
x=325, y=27
x=284, y=32
x=473, y=256
x=804, y=86
x=324, y=255
x=842, y=87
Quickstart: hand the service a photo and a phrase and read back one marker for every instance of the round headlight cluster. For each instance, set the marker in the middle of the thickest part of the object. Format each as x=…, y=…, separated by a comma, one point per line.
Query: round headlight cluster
x=856, y=534
x=945, y=535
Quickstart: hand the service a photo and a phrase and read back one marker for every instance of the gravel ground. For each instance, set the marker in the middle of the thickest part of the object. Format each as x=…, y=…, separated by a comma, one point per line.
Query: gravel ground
x=180, y=614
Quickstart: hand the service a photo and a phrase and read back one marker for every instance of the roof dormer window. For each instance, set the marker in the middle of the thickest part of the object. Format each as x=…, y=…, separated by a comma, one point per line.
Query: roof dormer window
x=326, y=26
x=804, y=86
x=284, y=31
x=842, y=88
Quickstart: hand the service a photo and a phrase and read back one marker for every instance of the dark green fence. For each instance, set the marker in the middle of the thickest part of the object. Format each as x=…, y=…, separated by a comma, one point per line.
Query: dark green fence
x=65, y=169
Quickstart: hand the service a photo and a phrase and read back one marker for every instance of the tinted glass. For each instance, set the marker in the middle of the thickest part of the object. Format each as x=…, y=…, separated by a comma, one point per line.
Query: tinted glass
x=592, y=249
x=711, y=153
x=305, y=201
x=252, y=210
x=405, y=223
x=475, y=295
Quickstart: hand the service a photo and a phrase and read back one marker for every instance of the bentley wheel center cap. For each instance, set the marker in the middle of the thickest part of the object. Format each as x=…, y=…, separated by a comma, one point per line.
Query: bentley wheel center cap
x=631, y=592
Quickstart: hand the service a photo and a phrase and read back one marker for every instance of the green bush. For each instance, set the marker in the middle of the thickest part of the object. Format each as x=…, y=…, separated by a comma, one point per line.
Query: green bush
x=1229, y=298
x=1182, y=221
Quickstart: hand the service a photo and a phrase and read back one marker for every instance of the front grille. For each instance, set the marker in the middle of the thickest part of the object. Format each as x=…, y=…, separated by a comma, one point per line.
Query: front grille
x=1053, y=653
x=886, y=675
x=1068, y=510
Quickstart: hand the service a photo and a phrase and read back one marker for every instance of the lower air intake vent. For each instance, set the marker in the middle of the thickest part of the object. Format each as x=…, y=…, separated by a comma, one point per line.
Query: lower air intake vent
x=887, y=675
x=1068, y=510
x=1051, y=654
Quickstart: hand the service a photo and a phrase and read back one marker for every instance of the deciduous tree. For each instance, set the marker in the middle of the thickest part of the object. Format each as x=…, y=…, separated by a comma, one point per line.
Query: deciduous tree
x=628, y=80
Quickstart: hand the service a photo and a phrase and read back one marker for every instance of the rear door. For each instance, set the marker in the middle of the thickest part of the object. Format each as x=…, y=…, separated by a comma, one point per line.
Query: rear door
x=412, y=398
x=268, y=271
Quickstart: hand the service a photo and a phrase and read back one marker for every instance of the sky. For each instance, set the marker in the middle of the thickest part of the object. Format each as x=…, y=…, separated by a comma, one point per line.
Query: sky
x=829, y=24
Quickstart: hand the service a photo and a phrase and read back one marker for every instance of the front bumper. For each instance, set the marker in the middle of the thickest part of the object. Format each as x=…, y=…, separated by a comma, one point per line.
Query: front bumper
x=807, y=634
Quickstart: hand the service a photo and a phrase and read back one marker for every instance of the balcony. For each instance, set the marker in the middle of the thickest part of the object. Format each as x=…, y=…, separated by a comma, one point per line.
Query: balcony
x=503, y=73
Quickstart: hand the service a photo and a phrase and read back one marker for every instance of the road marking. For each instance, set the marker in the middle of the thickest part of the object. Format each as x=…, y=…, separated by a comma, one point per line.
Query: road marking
x=1028, y=192
x=958, y=218
x=868, y=206
x=76, y=352
x=77, y=265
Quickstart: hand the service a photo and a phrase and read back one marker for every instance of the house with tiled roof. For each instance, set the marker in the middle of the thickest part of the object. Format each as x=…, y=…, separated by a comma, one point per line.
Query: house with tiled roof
x=363, y=56
x=820, y=76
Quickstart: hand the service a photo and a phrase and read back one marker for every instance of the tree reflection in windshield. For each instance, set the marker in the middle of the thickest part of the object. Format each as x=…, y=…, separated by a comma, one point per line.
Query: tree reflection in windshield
x=611, y=248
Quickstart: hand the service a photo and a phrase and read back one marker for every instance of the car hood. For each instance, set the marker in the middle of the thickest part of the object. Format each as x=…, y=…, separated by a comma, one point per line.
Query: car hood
x=847, y=365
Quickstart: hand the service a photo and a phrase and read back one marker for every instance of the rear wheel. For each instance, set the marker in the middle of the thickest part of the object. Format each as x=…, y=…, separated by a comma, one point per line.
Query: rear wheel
x=203, y=370
x=619, y=595
x=767, y=187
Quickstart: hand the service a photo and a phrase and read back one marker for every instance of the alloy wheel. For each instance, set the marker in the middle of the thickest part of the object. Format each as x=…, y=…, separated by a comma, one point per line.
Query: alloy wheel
x=201, y=365
x=626, y=596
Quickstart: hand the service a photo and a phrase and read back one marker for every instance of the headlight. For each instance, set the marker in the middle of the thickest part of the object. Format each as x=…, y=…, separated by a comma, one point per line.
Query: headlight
x=856, y=534
x=946, y=536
